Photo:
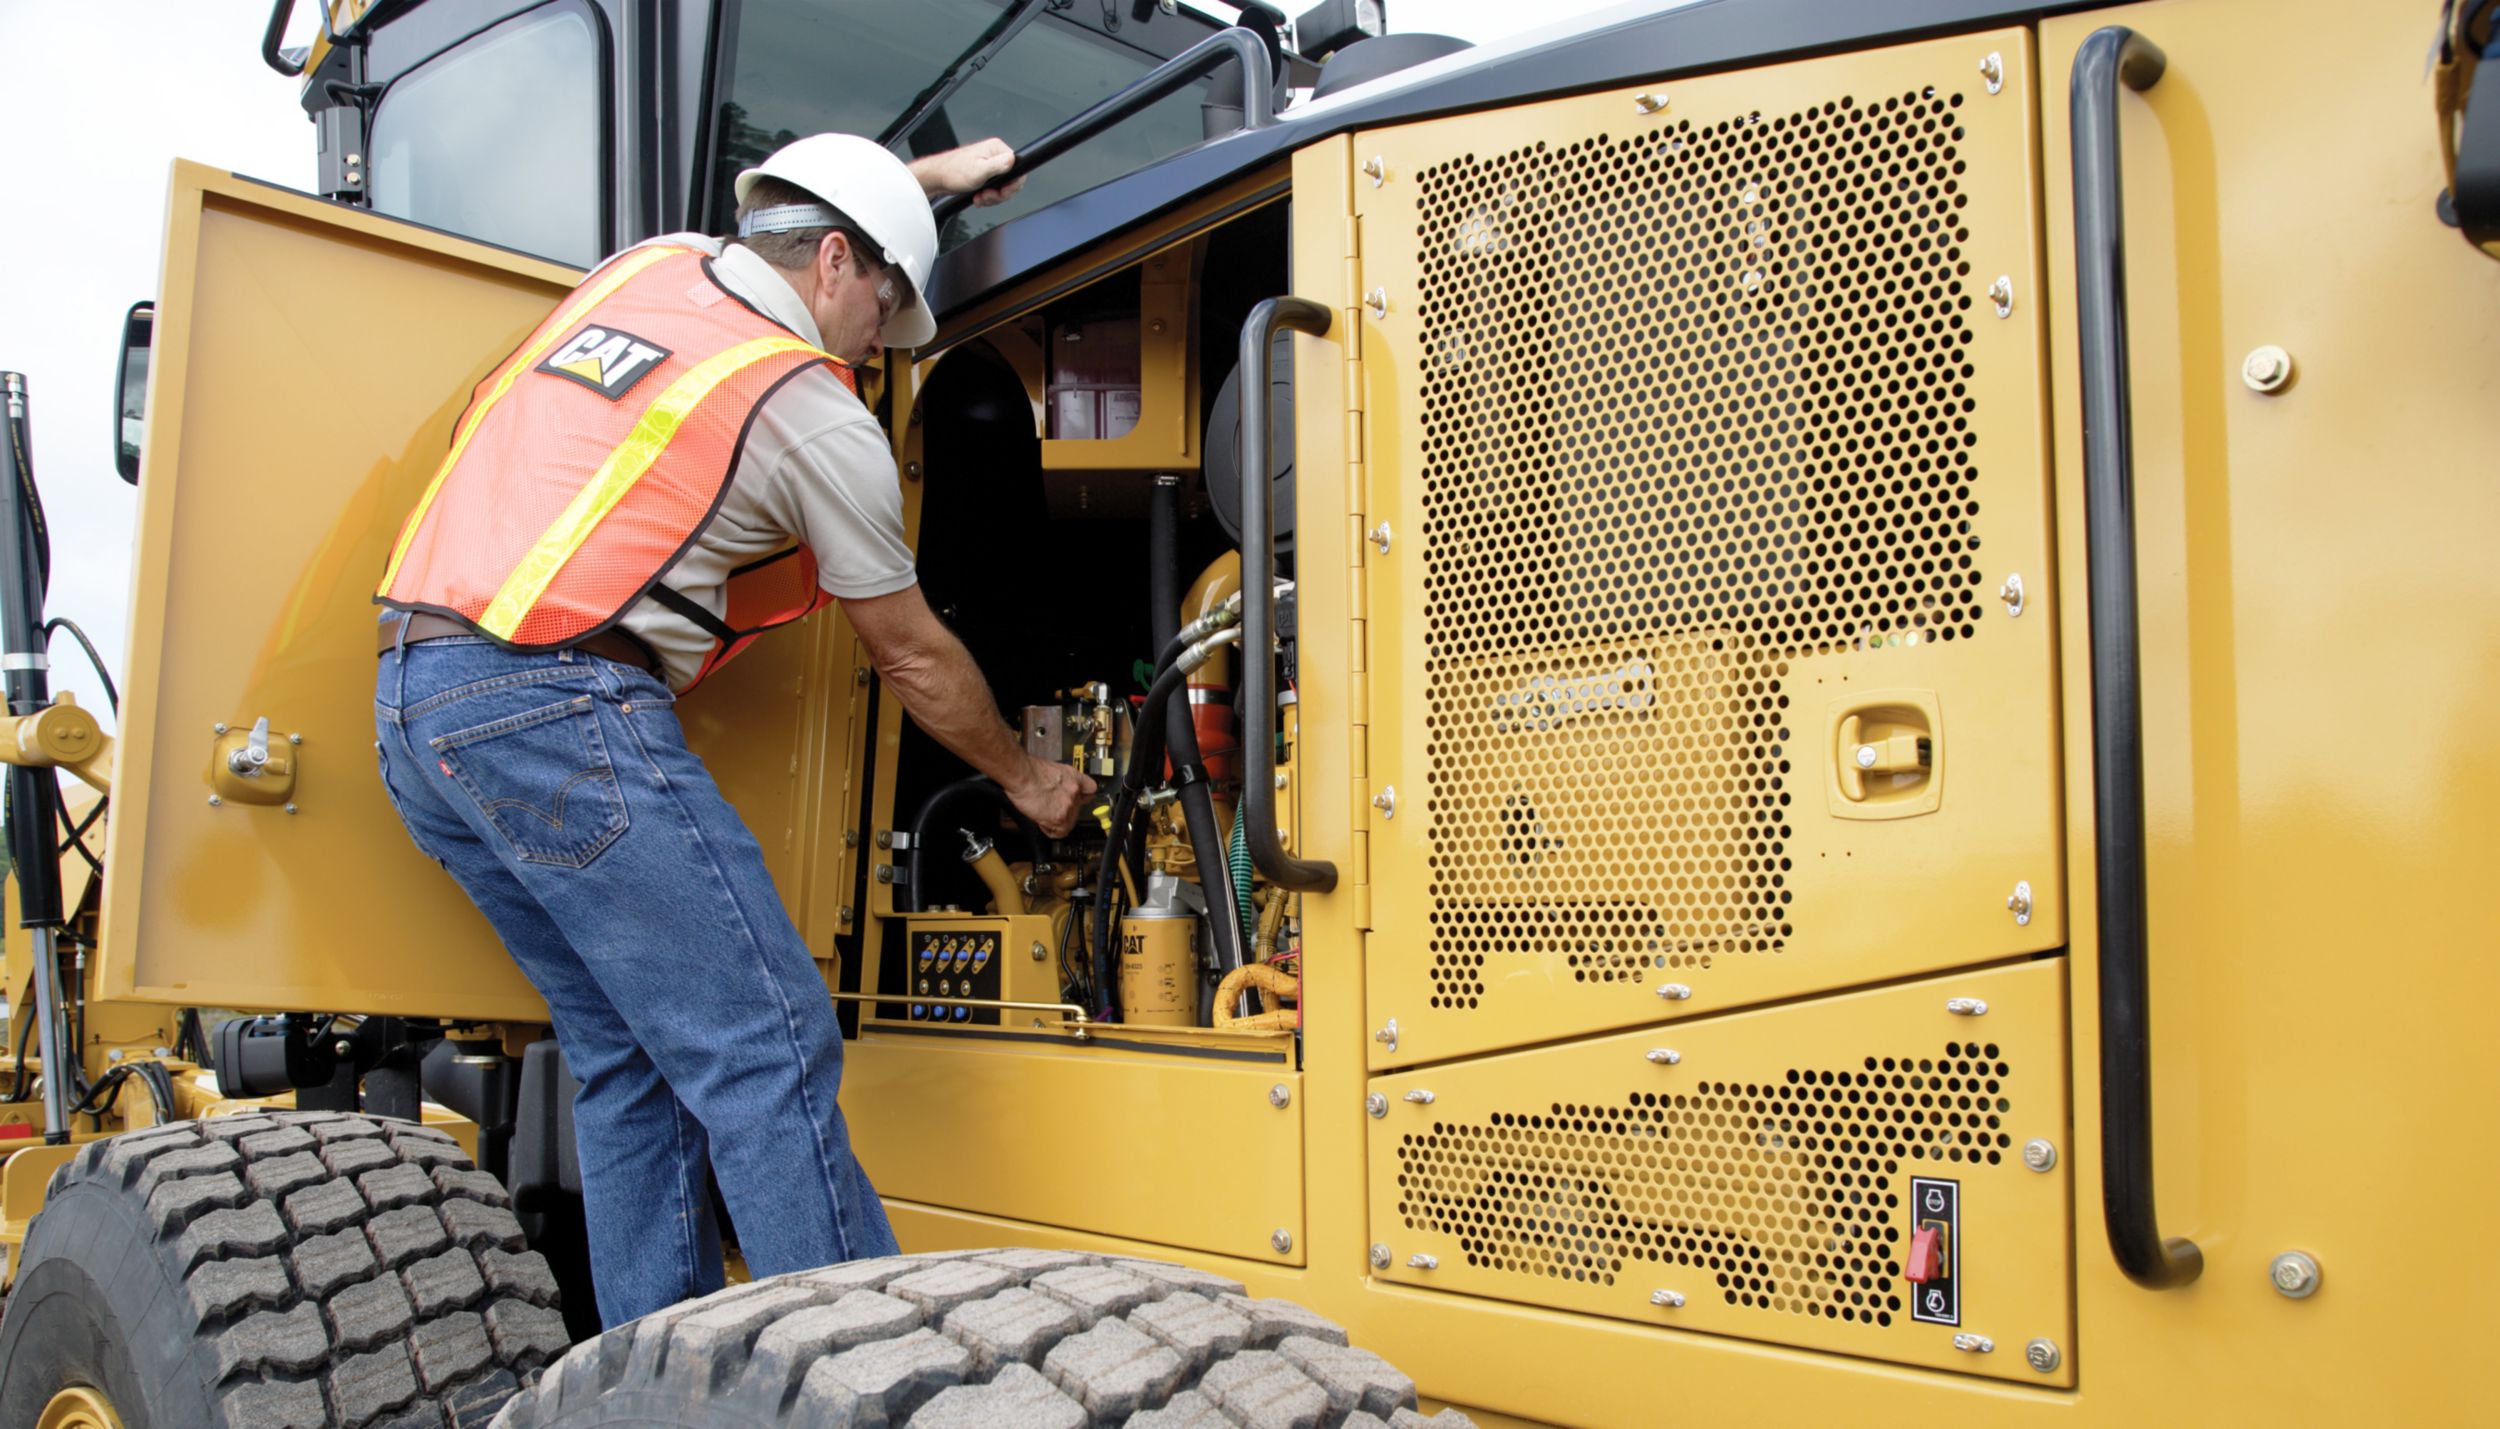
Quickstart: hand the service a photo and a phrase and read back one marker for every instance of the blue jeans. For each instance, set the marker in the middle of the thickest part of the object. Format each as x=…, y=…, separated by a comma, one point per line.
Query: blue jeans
x=558, y=789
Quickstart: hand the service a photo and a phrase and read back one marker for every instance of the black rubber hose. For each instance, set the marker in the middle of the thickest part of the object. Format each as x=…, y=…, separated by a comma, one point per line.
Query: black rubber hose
x=926, y=820
x=1180, y=726
x=1145, y=759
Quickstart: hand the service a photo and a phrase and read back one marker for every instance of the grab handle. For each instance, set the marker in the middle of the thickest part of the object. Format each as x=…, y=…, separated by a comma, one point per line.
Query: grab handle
x=2109, y=58
x=1258, y=605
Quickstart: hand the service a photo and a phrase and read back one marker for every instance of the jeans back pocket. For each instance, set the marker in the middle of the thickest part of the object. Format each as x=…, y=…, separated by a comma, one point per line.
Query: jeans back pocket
x=543, y=780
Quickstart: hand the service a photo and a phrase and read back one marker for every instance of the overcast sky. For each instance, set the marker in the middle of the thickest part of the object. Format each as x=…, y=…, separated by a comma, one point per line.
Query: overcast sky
x=97, y=102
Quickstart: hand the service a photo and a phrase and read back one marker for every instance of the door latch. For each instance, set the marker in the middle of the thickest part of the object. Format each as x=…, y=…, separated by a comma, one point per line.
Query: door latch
x=250, y=767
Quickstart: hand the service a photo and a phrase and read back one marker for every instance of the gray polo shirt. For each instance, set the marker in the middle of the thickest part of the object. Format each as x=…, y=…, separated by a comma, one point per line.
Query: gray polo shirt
x=816, y=468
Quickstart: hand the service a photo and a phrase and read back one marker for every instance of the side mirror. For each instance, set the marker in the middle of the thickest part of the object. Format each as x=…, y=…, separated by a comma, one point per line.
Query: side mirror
x=130, y=391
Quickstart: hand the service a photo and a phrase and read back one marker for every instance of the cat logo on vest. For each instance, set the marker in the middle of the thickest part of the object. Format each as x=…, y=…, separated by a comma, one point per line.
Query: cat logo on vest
x=604, y=360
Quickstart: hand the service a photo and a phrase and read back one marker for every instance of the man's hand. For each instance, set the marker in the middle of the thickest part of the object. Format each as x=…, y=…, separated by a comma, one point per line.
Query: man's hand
x=968, y=170
x=1051, y=795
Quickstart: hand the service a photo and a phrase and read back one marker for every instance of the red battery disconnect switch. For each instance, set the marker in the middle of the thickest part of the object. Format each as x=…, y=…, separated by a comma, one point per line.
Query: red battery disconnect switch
x=1926, y=1258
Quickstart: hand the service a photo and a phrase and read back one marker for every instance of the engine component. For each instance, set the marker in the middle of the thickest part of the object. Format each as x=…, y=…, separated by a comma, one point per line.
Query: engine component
x=1006, y=895
x=1159, y=958
x=1224, y=445
x=1086, y=730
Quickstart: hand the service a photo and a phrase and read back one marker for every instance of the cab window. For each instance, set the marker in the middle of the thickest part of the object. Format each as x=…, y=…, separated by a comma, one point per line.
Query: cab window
x=796, y=67
x=500, y=137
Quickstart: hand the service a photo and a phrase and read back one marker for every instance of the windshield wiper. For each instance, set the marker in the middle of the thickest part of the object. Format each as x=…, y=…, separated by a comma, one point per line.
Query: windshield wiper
x=982, y=50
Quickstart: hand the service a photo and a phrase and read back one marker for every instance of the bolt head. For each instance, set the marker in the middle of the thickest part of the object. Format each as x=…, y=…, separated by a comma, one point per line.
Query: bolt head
x=2039, y=1154
x=1377, y=1105
x=291, y=808
x=343, y=1047
x=1866, y=756
x=1380, y=1256
x=295, y=739
x=215, y=802
x=1038, y=951
x=2296, y=1274
x=1279, y=1096
x=2043, y=1356
x=220, y=726
x=2267, y=369
x=1282, y=1240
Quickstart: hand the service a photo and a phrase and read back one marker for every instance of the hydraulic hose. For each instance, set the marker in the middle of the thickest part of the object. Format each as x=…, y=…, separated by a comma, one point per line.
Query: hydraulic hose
x=1180, y=728
x=1145, y=757
x=926, y=820
x=1237, y=854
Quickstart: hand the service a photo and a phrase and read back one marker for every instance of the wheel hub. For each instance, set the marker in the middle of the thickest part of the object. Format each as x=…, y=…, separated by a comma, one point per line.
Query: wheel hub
x=79, y=1407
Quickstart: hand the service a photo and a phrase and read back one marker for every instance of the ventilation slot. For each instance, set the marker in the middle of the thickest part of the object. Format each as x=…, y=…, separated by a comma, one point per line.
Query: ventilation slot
x=1788, y=1195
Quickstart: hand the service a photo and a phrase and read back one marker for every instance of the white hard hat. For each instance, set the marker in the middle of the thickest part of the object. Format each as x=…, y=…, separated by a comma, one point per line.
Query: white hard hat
x=877, y=192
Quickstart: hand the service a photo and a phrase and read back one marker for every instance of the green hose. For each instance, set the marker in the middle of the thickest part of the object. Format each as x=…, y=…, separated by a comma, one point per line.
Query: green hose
x=1239, y=856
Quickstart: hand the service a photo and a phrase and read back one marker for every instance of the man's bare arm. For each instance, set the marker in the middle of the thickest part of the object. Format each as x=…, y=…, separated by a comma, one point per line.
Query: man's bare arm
x=968, y=170
x=942, y=689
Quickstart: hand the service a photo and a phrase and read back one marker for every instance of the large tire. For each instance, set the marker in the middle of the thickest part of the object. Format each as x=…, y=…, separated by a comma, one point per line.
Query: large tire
x=1030, y=1338
x=300, y=1268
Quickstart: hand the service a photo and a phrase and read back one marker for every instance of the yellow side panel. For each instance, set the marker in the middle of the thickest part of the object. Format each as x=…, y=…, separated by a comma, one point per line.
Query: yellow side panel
x=1193, y=1153
x=310, y=360
x=1704, y=453
x=1757, y=1175
x=2320, y=618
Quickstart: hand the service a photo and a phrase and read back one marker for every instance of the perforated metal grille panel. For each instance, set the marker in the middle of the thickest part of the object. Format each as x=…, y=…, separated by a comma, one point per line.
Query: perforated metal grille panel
x=1760, y=1175
x=1696, y=408
x=1786, y=1193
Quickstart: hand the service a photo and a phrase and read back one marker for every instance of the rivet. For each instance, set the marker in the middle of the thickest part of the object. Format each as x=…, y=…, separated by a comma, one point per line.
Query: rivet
x=2042, y=1355
x=1674, y=991
x=1279, y=1096
x=295, y=739
x=1377, y=1105
x=846, y=913
x=2296, y=1274
x=850, y=838
x=1992, y=69
x=1974, y=1344
x=214, y=802
x=2001, y=293
x=1667, y=1299
x=859, y=677
x=2020, y=904
x=1420, y=1261
x=2040, y=1154
x=290, y=808
x=2267, y=369
x=1866, y=756
x=1155, y=326
x=1649, y=103
x=2012, y=594
x=1038, y=951
x=343, y=1047
x=1966, y=1006
x=1280, y=781
x=911, y=470
x=1665, y=1056
x=1282, y=1240
x=220, y=727
x=1380, y=1256
x=1378, y=169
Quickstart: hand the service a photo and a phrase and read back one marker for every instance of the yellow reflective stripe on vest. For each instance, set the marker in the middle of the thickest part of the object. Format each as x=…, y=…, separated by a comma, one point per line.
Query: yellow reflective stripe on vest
x=616, y=276
x=616, y=477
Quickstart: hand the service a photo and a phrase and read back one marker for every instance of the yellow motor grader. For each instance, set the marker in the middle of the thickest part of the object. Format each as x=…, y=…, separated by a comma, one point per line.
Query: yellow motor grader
x=1725, y=644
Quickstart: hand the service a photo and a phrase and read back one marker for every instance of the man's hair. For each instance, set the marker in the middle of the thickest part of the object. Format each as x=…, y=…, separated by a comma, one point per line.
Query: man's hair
x=796, y=250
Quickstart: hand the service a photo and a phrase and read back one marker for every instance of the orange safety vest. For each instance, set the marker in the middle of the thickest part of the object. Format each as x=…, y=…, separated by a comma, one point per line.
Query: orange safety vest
x=588, y=460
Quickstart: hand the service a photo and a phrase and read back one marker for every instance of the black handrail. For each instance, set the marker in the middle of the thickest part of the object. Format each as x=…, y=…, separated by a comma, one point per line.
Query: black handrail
x=1258, y=598
x=1233, y=46
x=270, y=54
x=2111, y=57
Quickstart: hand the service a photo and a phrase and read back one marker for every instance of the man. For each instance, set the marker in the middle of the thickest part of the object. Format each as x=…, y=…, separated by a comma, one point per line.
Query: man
x=617, y=517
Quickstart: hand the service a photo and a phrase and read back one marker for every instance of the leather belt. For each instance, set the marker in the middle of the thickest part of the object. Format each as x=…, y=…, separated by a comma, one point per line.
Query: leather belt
x=616, y=645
